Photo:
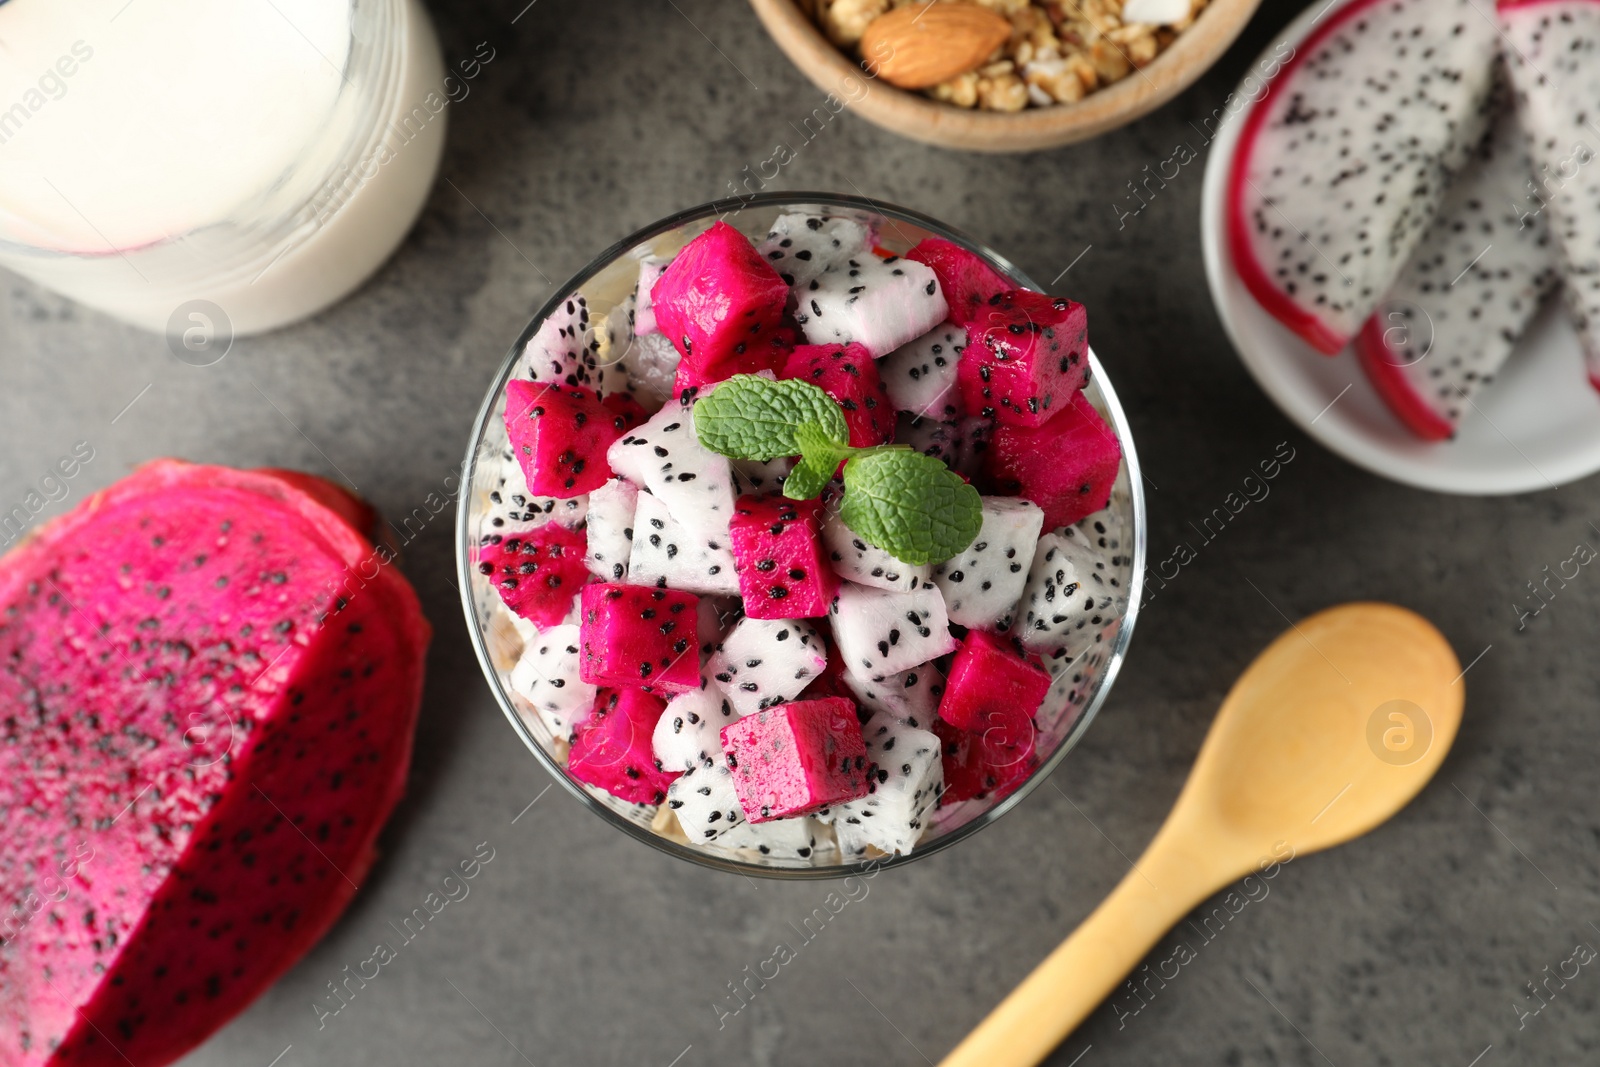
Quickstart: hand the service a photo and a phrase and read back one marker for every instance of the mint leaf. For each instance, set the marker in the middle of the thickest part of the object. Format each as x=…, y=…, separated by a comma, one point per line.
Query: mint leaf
x=748, y=417
x=910, y=505
x=821, y=454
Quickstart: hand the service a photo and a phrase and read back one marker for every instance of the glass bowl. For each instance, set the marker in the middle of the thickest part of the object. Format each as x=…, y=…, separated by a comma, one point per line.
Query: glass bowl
x=607, y=282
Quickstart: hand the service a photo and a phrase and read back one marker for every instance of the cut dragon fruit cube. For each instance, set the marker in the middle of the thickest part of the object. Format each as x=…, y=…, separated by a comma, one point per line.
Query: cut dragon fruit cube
x=877, y=303
x=612, y=747
x=1027, y=355
x=777, y=545
x=905, y=781
x=718, y=298
x=980, y=765
x=991, y=690
x=536, y=571
x=760, y=663
x=638, y=637
x=560, y=436
x=848, y=374
x=880, y=633
x=795, y=758
x=1066, y=466
x=966, y=279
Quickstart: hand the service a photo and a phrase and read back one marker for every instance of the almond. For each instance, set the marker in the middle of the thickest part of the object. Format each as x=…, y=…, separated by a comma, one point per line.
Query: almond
x=921, y=45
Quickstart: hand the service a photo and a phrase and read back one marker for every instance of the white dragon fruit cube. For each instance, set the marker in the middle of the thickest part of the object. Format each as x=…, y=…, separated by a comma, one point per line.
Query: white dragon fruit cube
x=644, y=311
x=1067, y=602
x=609, y=533
x=763, y=662
x=800, y=247
x=982, y=582
x=798, y=838
x=689, y=732
x=854, y=560
x=920, y=375
x=878, y=303
x=911, y=697
x=941, y=440
x=880, y=633
x=547, y=677
x=694, y=483
x=704, y=800
x=511, y=509
x=907, y=778
x=664, y=553
x=754, y=477
x=562, y=351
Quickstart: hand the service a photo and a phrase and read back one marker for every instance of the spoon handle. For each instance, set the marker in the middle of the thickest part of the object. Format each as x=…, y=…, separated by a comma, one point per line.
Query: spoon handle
x=1077, y=976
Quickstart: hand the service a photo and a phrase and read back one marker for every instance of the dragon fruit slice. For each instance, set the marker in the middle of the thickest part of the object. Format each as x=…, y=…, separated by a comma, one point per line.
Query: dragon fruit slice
x=704, y=800
x=941, y=440
x=633, y=636
x=561, y=352
x=1067, y=466
x=611, y=747
x=848, y=374
x=920, y=375
x=880, y=633
x=560, y=437
x=991, y=688
x=1343, y=160
x=717, y=299
x=906, y=779
x=537, y=571
x=644, y=302
x=796, y=758
x=666, y=554
x=978, y=765
x=609, y=530
x=689, y=732
x=854, y=560
x=966, y=280
x=1452, y=319
x=800, y=246
x=548, y=677
x=910, y=697
x=664, y=456
x=981, y=583
x=879, y=304
x=783, y=570
x=1554, y=63
x=204, y=666
x=1028, y=355
x=761, y=663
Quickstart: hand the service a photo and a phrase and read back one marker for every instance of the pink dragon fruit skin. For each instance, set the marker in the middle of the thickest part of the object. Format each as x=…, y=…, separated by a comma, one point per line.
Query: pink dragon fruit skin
x=536, y=571
x=612, y=747
x=967, y=281
x=1067, y=466
x=718, y=299
x=849, y=375
x=796, y=758
x=230, y=679
x=992, y=694
x=1026, y=355
x=634, y=636
x=777, y=546
x=560, y=436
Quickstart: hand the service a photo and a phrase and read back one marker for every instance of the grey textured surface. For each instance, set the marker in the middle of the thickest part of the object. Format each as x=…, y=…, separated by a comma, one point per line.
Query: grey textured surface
x=580, y=946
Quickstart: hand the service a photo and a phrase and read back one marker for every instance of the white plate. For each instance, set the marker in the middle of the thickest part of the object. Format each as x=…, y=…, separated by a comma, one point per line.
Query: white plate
x=1538, y=424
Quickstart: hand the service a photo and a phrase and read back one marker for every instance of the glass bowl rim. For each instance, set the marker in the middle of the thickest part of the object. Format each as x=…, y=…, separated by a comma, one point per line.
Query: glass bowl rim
x=723, y=209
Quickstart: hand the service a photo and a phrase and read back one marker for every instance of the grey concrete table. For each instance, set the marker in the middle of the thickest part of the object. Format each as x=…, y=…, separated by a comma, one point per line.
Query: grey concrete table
x=578, y=945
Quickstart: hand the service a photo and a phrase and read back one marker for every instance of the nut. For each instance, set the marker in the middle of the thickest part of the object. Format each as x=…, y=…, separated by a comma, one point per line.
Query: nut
x=921, y=45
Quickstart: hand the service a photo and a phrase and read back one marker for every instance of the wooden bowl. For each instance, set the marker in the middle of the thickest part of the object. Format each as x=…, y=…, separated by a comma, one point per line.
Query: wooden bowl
x=922, y=119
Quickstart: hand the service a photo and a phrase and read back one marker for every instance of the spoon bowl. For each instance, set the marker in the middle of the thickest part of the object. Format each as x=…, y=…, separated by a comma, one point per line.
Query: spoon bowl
x=1332, y=729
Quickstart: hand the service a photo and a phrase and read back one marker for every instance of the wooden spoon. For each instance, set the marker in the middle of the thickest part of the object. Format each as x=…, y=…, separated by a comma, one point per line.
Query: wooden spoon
x=1333, y=728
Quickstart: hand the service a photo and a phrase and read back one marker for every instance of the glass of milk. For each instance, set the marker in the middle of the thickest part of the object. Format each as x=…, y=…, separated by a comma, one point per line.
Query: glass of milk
x=255, y=159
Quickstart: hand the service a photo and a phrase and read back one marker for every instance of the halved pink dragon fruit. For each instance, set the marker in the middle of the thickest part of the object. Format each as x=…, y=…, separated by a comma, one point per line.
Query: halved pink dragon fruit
x=796, y=758
x=537, y=571
x=1027, y=355
x=777, y=545
x=1343, y=160
x=992, y=692
x=638, y=637
x=560, y=436
x=848, y=374
x=1452, y=319
x=718, y=299
x=611, y=748
x=211, y=685
x=1553, y=55
x=965, y=278
x=1067, y=466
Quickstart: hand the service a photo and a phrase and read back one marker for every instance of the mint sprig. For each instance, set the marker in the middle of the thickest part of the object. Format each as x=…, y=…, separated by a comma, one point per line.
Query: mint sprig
x=906, y=503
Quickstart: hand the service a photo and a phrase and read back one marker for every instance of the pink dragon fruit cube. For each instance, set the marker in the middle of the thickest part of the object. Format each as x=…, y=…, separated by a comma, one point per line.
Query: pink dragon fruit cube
x=966, y=280
x=1067, y=466
x=1027, y=355
x=778, y=553
x=849, y=375
x=992, y=692
x=612, y=746
x=560, y=434
x=639, y=637
x=718, y=300
x=796, y=758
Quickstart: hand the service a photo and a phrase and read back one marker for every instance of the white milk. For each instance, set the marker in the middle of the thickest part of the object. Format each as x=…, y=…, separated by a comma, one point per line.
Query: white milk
x=264, y=155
